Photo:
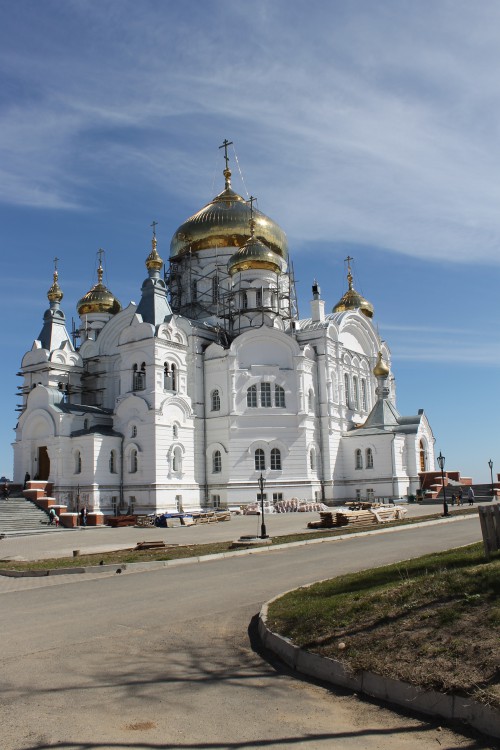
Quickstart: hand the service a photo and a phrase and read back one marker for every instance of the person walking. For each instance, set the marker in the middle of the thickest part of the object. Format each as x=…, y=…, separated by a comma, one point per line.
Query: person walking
x=470, y=495
x=53, y=517
x=5, y=491
x=83, y=516
x=459, y=497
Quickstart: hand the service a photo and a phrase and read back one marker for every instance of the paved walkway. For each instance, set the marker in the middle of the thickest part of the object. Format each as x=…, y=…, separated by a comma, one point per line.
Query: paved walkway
x=52, y=542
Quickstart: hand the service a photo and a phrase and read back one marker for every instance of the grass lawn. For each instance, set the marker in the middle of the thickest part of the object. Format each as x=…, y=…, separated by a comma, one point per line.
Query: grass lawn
x=179, y=551
x=433, y=621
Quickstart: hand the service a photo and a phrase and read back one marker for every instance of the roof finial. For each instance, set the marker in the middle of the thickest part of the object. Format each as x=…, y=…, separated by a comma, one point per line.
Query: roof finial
x=227, y=171
x=100, y=271
x=252, y=220
x=349, y=274
x=55, y=294
x=153, y=261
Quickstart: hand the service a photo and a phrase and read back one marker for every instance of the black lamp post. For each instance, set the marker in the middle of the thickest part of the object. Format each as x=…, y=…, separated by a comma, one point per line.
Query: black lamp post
x=490, y=464
x=441, y=460
x=263, y=532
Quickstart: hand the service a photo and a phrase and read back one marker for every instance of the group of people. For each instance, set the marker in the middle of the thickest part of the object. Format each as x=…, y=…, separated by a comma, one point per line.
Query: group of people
x=458, y=499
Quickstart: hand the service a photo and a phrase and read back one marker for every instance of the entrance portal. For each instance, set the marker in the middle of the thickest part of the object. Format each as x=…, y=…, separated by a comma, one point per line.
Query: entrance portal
x=43, y=463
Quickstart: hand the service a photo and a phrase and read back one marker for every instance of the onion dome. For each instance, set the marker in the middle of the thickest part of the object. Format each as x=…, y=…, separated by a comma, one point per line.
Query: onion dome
x=153, y=261
x=55, y=293
x=381, y=369
x=99, y=299
x=352, y=300
x=254, y=254
x=224, y=222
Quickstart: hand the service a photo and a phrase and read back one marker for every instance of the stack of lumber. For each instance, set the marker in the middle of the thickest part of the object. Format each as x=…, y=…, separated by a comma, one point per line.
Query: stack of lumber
x=359, y=518
x=326, y=521
x=211, y=517
x=118, y=521
x=150, y=545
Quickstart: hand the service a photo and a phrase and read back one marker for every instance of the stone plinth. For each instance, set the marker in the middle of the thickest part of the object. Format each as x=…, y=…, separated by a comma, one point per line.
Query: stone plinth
x=68, y=520
x=95, y=518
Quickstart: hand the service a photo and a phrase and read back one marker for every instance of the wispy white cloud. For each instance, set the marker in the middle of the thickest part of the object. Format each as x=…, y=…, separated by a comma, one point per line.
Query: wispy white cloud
x=386, y=117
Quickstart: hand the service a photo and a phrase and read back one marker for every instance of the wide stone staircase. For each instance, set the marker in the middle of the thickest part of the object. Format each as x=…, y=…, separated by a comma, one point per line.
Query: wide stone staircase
x=17, y=514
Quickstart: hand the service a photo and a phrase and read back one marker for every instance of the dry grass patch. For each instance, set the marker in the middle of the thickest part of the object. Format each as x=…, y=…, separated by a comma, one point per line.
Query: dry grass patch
x=434, y=621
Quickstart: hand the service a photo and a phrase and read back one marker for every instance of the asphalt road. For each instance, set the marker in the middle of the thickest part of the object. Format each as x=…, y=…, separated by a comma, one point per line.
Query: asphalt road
x=164, y=659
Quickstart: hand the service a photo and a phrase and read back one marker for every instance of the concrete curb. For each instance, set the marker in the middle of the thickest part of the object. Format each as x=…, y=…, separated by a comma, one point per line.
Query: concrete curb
x=136, y=567
x=430, y=702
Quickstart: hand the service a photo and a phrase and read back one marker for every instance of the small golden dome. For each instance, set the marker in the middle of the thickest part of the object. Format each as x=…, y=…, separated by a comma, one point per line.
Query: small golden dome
x=224, y=222
x=381, y=369
x=254, y=255
x=99, y=299
x=352, y=300
x=153, y=261
x=55, y=293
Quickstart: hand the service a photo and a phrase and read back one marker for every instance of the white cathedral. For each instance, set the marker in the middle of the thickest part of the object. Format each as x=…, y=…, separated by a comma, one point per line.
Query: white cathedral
x=185, y=400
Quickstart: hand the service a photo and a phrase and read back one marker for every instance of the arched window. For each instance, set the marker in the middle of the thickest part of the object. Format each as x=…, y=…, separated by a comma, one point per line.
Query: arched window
x=312, y=459
x=175, y=431
x=252, y=396
x=177, y=460
x=78, y=462
x=215, y=288
x=355, y=389
x=112, y=462
x=244, y=300
x=423, y=458
x=275, y=459
x=358, y=459
x=169, y=377
x=133, y=461
x=279, y=396
x=133, y=431
x=260, y=460
x=364, y=403
x=265, y=394
x=215, y=400
x=216, y=462
x=139, y=377
x=258, y=298
x=369, y=458
x=346, y=389
x=310, y=400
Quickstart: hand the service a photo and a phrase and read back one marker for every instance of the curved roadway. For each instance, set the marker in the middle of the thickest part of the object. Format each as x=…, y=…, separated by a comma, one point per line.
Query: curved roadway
x=164, y=658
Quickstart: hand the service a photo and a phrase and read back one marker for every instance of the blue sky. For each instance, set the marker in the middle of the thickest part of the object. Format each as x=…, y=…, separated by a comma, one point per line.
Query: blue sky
x=364, y=128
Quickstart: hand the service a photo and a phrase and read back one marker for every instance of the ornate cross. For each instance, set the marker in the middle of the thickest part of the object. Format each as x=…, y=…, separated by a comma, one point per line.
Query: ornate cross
x=225, y=144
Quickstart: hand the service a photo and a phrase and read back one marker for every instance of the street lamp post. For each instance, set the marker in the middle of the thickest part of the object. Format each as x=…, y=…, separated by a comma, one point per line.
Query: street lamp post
x=490, y=464
x=441, y=460
x=263, y=532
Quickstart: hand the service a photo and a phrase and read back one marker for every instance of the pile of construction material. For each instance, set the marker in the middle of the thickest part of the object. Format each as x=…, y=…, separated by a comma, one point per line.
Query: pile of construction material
x=360, y=518
x=298, y=506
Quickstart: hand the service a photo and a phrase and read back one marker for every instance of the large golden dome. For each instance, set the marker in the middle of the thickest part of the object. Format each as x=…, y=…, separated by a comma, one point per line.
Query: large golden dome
x=225, y=222
x=352, y=300
x=99, y=299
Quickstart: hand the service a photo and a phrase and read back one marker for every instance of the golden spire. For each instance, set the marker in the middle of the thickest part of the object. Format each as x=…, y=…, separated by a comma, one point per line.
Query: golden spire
x=55, y=294
x=352, y=300
x=153, y=261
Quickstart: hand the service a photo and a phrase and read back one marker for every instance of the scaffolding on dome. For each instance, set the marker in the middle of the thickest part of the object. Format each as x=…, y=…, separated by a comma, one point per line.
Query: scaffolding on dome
x=198, y=293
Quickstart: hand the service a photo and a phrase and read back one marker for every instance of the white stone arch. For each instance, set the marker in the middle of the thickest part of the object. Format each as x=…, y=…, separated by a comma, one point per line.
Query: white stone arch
x=176, y=400
x=175, y=459
x=38, y=424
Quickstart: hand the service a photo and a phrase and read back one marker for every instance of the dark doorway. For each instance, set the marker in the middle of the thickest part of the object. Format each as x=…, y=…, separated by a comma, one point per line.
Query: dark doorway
x=43, y=463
